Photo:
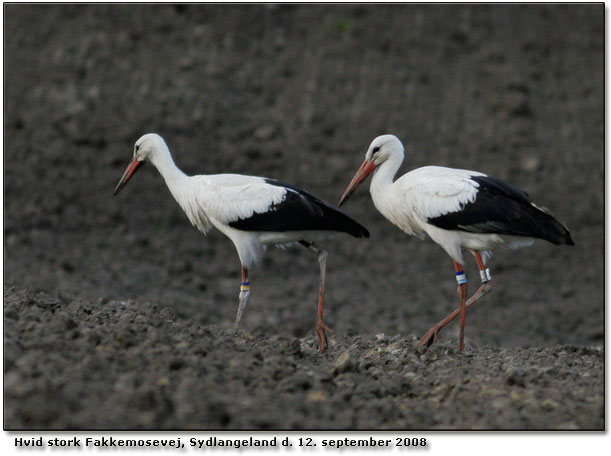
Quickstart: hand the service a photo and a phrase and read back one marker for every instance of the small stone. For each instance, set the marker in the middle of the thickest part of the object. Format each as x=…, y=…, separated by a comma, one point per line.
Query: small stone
x=549, y=405
x=317, y=396
x=167, y=314
x=163, y=381
x=299, y=381
x=516, y=378
x=345, y=363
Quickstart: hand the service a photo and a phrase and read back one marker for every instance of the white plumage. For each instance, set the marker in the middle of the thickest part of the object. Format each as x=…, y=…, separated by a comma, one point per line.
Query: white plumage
x=217, y=200
x=253, y=212
x=458, y=209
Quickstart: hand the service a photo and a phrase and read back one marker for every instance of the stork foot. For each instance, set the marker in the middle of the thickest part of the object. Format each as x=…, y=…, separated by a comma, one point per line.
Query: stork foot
x=431, y=336
x=323, y=344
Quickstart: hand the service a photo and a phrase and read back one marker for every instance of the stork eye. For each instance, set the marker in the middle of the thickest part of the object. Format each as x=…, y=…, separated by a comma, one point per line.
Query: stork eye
x=375, y=149
x=137, y=147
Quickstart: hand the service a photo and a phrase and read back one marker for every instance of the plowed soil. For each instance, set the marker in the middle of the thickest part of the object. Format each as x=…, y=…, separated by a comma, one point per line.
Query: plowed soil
x=118, y=313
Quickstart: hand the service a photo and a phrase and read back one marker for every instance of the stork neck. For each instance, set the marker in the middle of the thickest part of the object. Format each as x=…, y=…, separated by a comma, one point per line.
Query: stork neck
x=167, y=168
x=384, y=175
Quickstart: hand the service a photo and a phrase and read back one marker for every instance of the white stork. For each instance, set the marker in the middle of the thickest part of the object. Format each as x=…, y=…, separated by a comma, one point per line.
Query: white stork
x=253, y=212
x=457, y=209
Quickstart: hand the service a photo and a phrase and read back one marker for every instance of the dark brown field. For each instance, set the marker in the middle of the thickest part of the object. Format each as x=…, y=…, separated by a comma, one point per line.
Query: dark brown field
x=118, y=313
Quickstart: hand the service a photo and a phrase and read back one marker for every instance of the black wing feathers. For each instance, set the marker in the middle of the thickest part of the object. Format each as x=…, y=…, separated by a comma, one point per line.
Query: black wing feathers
x=300, y=211
x=501, y=208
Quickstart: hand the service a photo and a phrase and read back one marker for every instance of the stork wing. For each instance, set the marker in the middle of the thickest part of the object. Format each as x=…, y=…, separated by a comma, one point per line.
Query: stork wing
x=258, y=204
x=497, y=207
x=473, y=202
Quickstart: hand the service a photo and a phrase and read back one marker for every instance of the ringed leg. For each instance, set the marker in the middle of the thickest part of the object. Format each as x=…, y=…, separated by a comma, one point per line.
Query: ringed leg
x=320, y=326
x=485, y=276
x=461, y=278
x=484, y=272
x=462, y=296
x=244, y=294
x=432, y=334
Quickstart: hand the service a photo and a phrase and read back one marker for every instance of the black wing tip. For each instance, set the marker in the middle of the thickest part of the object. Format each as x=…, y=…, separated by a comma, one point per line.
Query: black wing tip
x=361, y=233
x=355, y=228
x=349, y=225
x=558, y=234
x=563, y=235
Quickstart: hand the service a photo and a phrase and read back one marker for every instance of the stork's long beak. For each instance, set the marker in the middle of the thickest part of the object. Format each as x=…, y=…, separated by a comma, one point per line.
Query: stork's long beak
x=129, y=172
x=365, y=170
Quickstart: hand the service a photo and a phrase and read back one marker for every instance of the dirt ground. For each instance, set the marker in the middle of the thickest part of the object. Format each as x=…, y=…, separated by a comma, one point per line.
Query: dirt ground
x=118, y=313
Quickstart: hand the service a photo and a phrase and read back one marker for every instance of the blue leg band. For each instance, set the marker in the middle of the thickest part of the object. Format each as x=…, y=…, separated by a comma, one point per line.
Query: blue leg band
x=461, y=278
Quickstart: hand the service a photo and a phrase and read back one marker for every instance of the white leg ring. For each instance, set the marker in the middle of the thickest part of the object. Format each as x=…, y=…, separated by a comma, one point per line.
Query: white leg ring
x=485, y=275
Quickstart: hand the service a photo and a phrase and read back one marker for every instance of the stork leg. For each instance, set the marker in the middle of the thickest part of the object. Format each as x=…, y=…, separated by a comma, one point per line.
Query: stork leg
x=462, y=295
x=433, y=334
x=484, y=274
x=244, y=294
x=320, y=326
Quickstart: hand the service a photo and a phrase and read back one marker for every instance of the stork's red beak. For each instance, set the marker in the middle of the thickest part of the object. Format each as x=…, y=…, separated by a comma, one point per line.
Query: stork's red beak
x=365, y=170
x=129, y=172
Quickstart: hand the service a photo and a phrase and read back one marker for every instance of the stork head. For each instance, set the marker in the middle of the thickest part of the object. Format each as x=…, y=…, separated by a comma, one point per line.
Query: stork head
x=146, y=149
x=380, y=150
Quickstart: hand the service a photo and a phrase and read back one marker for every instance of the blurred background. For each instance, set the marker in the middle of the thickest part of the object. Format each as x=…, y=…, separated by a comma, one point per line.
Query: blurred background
x=297, y=93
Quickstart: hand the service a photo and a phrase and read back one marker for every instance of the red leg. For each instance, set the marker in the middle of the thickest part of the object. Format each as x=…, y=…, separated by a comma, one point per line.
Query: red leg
x=480, y=262
x=320, y=326
x=462, y=295
x=432, y=334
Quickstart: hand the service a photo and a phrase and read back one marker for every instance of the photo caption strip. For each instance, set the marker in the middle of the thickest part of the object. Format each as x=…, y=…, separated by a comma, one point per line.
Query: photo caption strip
x=254, y=442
